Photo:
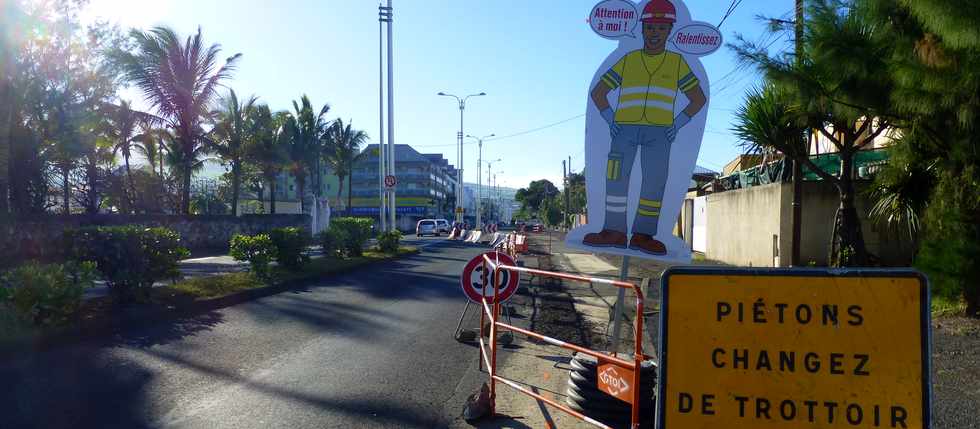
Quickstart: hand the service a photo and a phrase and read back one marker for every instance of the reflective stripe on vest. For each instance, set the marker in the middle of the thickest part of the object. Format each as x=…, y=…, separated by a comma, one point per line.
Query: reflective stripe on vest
x=647, y=94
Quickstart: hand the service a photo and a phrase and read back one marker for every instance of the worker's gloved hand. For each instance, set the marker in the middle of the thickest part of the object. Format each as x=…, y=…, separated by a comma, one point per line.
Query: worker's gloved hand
x=679, y=122
x=610, y=118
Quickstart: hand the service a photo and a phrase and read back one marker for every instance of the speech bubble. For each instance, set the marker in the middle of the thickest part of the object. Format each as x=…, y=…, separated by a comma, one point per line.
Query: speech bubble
x=614, y=19
x=698, y=38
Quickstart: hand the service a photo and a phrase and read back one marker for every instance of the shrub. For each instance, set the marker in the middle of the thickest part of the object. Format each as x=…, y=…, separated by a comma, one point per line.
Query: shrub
x=388, y=241
x=258, y=250
x=332, y=242
x=355, y=233
x=289, y=244
x=46, y=295
x=129, y=258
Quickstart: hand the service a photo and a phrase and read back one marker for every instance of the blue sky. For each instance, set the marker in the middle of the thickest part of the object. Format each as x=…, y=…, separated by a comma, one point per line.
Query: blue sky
x=534, y=59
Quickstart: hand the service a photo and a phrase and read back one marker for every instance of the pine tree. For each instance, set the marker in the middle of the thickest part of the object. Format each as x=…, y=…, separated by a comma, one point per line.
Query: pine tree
x=935, y=64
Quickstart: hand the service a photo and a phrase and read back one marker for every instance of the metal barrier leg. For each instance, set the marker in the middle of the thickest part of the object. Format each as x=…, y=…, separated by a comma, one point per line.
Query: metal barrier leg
x=618, y=315
x=461, y=317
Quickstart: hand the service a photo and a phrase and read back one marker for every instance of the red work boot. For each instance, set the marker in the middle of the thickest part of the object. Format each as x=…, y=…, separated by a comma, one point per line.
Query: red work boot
x=647, y=244
x=605, y=238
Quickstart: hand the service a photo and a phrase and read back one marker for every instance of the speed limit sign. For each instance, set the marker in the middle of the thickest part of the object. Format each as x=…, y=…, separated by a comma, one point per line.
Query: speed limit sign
x=472, y=278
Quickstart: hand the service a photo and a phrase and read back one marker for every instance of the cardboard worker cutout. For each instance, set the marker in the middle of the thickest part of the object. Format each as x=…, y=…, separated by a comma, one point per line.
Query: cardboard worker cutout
x=645, y=120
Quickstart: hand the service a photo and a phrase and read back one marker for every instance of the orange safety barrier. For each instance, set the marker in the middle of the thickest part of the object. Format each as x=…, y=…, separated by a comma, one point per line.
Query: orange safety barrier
x=634, y=367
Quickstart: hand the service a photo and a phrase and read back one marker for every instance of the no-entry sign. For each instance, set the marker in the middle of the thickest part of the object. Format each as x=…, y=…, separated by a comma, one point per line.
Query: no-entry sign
x=472, y=277
x=794, y=348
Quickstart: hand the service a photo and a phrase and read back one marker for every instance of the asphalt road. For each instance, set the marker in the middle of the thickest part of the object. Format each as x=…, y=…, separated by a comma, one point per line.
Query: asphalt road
x=371, y=348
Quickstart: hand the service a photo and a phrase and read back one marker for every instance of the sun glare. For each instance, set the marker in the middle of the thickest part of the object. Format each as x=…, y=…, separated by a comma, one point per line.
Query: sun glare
x=128, y=13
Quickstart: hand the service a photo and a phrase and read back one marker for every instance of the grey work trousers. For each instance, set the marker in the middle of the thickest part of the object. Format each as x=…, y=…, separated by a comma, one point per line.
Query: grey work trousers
x=654, y=160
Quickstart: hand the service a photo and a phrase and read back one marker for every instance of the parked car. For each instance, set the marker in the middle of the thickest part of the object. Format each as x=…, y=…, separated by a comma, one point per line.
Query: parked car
x=426, y=227
x=443, y=226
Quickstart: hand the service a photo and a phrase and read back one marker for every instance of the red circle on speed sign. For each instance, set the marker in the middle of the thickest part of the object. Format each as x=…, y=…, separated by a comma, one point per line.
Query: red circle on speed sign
x=472, y=278
x=390, y=181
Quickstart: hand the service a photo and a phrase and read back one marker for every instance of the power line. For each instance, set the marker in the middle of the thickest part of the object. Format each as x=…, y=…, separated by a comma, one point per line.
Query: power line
x=535, y=129
x=731, y=9
x=508, y=136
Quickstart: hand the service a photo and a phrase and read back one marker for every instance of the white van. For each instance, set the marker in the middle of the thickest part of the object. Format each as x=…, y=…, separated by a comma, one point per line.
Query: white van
x=426, y=227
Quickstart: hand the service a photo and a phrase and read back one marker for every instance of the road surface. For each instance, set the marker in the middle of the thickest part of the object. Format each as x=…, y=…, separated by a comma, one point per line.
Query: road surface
x=371, y=348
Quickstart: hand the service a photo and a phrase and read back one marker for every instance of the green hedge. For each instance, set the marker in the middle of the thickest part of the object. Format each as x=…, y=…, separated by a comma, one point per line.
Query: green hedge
x=388, y=241
x=290, y=243
x=332, y=243
x=45, y=295
x=258, y=250
x=353, y=233
x=130, y=258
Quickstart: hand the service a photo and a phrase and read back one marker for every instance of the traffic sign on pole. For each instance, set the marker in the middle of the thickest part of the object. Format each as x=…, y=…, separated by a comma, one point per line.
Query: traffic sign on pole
x=472, y=278
x=390, y=181
x=751, y=348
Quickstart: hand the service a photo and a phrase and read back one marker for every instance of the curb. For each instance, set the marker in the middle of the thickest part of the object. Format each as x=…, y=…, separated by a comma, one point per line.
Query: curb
x=141, y=315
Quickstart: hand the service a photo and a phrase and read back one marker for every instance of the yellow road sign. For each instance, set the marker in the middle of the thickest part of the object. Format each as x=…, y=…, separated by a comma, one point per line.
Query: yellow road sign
x=794, y=349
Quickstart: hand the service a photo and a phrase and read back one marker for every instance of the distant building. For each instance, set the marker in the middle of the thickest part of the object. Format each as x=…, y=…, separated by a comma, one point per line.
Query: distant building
x=287, y=194
x=426, y=185
x=498, y=203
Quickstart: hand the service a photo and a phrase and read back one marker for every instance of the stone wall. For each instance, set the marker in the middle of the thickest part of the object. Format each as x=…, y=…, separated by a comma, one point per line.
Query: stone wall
x=40, y=236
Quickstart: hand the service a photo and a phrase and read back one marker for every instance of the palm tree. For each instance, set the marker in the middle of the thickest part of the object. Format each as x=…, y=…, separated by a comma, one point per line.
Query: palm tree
x=267, y=147
x=180, y=80
x=150, y=145
x=306, y=147
x=121, y=126
x=842, y=93
x=231, y=132
x=343, y=143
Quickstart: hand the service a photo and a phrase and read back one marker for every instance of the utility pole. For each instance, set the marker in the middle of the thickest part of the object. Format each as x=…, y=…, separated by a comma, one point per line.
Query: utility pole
x=564, y=181
x=797, y=215
x=391, y=121
x=383, y=16
x=479, y=186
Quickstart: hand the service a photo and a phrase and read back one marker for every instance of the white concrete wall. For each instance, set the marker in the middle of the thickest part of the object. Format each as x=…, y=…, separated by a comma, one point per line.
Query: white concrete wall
x=753, y=227
x=745, y=227
x=699, y=227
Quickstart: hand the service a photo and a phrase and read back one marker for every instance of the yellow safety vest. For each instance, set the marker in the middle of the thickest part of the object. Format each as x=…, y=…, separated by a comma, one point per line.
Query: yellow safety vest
x=648, y=86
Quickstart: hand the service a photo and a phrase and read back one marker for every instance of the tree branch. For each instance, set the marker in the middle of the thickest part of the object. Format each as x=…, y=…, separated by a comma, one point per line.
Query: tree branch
x=874, y=134
x=834, y=140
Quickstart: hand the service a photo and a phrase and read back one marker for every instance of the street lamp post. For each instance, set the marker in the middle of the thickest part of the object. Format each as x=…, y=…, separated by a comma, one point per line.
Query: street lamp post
x=496, y=195
x=489, y=168
x=479, y=180
x=459, y=153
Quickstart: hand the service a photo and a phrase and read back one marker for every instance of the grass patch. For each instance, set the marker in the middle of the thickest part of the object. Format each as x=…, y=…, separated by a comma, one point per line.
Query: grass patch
x=945, y=307
x=220, y=285
x=11, y=326
x=226, y=284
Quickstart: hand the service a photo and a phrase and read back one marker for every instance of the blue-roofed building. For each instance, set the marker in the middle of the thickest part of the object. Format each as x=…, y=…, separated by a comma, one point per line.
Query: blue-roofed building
x=426, y=185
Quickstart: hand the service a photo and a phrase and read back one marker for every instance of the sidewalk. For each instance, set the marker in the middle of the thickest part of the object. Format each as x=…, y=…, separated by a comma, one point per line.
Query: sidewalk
x=596, y=302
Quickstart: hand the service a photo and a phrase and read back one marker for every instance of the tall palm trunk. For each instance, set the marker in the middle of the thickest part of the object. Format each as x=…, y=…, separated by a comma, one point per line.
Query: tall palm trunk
x=272, y=195
x=340, y=189
x=6, y=118
x=236, y=181
x=185, y=193
x=132, y=185
x=65, y=189
x=301, y=184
